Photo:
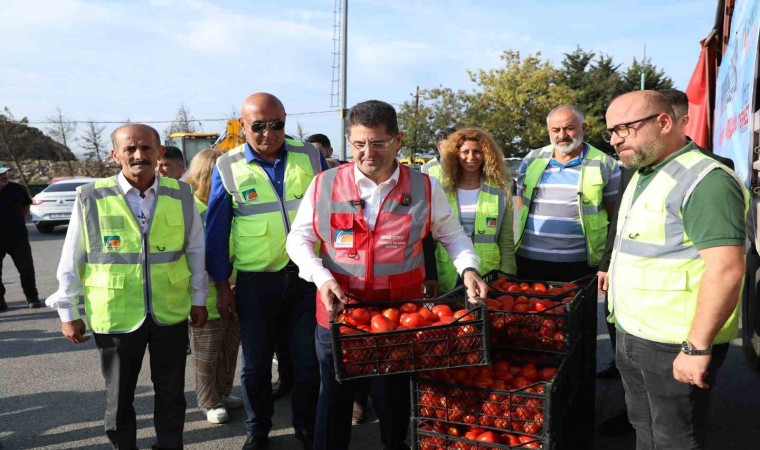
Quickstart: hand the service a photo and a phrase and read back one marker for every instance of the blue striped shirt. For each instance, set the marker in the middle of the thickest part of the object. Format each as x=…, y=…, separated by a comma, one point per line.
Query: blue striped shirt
x=553, y=229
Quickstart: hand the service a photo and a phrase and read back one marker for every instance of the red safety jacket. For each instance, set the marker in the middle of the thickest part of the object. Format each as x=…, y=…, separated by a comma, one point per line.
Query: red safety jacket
x=383, y=264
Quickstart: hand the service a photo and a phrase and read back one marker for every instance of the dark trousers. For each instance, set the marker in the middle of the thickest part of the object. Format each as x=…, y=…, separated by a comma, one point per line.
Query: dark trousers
x=390, y=398
x=284, y=358
x=267, y=302
x=665, y=412
x=21, y=253
x=534, y=269
x=121, y=357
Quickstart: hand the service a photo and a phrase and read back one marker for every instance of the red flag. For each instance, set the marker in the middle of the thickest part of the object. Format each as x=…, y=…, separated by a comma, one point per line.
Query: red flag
x=699, y=104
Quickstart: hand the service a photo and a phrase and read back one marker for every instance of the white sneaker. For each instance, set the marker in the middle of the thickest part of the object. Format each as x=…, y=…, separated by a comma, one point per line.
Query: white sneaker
x=232, y=402
x=217, y=414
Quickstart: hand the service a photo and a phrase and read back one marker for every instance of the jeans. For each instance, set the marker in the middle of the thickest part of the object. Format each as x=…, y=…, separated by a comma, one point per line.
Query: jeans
x=666, y=413
x=266, y=302
x=121, y=357
x=390, y=398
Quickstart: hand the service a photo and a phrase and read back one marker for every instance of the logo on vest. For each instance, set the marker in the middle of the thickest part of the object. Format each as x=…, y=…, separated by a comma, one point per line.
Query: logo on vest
x=343, y=238
x=250, y=195
x=491, y=222
x=112, y=242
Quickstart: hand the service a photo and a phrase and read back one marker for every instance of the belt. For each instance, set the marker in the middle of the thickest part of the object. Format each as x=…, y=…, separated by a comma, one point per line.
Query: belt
x=290, y=267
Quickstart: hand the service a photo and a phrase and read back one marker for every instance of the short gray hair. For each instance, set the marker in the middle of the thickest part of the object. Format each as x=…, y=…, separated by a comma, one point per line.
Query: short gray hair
x=574, y=109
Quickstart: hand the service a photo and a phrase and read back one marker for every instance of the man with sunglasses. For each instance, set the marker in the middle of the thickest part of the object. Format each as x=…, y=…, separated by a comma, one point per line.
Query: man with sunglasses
x=255, y=192
x=370, y=218
x=676, y=271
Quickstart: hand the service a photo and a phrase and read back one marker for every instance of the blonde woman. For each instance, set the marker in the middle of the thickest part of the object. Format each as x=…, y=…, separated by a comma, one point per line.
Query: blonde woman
x=215, y=345
x=477, y=183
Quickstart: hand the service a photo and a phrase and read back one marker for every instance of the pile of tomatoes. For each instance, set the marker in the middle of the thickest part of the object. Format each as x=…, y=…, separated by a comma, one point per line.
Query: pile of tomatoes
x=504, y=396
x=449, y=436
x=521, y=320
x=408, y=338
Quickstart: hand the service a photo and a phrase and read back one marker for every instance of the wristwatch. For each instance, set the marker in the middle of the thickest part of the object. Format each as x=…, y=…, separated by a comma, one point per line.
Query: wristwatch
x=689, y=349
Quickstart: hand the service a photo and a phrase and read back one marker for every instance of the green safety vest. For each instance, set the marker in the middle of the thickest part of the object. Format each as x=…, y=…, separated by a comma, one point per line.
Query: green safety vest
x=655, y=269
x=213, y=313
x=127, y=272
x=433, y=168
x=489, y=215
x=260, y=220
x=593, y=216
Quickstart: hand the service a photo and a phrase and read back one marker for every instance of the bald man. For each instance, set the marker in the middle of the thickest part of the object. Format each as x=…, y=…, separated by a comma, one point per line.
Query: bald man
x=134, y=249
x=676, y=271
x=256, y=189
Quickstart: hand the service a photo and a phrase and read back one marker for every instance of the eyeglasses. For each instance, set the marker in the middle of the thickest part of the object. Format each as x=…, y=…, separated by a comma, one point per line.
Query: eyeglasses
x=624, y=129
x=375, y=145
x=274, y=125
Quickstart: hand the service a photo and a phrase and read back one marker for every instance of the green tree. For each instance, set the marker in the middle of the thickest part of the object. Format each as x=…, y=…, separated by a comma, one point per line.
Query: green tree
x=654, y=78
x=437, y=110
x=515, y=100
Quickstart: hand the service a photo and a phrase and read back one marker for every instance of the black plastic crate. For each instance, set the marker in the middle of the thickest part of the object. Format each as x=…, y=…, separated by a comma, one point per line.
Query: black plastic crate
x=556, y=329
x=360, y=353
x=535, y=409
x=432, y=435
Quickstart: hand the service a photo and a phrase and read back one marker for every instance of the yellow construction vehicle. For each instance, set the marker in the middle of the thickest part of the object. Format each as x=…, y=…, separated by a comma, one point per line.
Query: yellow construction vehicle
x=192, y=143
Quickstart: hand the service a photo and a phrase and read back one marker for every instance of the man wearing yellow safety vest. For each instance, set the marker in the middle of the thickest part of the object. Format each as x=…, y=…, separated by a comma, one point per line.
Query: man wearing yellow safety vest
x=676, y=271
x=566, y=193
x=256, y=189
x=433, y=167
x=134, y=249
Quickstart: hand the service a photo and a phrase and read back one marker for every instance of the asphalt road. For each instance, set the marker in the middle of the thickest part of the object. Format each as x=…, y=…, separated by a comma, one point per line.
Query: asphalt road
x=52, y=394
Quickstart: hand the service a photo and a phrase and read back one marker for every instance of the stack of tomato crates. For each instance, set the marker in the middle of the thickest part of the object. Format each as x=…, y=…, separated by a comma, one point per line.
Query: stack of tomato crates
x=539, y=390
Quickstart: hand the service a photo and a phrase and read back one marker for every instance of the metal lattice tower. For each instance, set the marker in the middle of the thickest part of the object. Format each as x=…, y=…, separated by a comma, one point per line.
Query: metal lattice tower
x=335, y=83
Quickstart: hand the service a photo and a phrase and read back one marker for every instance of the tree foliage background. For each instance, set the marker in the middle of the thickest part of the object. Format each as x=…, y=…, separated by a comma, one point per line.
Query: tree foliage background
x=513, y=100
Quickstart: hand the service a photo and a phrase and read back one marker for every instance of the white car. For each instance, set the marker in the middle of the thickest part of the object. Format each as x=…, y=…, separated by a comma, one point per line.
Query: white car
x=54, y=204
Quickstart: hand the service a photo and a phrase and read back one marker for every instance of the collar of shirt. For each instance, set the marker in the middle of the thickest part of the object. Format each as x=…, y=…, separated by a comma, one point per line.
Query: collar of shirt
x=363, y=182
x=121, y=180
x=251, y=156
x=573, y=162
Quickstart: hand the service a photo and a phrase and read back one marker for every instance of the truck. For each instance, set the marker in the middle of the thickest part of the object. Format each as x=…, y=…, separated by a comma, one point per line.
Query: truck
x=192, y=143
x=725, y=118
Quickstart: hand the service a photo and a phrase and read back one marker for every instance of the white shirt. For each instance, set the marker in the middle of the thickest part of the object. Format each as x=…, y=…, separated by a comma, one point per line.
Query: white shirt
x=446, y=229
x=73, y=255
x=467, y=199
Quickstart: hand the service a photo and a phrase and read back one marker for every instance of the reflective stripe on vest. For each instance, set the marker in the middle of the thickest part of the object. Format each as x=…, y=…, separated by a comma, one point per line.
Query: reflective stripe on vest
x=489, y=216
x=386, y=263
x=127, y=272
x=655, y=269
x=261, y=219
x=594, y=220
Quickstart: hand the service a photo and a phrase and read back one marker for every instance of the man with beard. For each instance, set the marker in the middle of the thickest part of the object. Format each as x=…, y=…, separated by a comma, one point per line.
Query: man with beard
x=566, y=192
x=676, y=271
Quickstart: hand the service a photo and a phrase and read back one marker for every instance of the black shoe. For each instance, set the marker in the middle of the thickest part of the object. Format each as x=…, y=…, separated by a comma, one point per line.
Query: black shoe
x=3, y=305
x=616, y=425
x=280, y=388
x=611, y=371
x=306, y=437
x=256, y=442
x=33, y=303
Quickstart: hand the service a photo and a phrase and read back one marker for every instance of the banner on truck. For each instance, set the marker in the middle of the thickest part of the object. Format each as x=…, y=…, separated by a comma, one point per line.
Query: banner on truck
x=735, y=90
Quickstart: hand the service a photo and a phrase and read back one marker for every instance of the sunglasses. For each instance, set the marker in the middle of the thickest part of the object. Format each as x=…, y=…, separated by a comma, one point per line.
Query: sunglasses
x=275, y=125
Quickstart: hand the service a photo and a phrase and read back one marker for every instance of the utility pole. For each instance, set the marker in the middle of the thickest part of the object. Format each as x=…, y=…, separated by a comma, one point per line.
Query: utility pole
x=414, y=135
x=343, y=70
x=643, y=67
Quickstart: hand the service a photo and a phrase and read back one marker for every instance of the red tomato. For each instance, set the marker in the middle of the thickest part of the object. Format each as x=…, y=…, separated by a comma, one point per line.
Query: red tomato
x=427, y=315
x=488, y=436
x=464, y=312
x=521, y=307
x=547, y=373
x=443, y=310
x=382, y=324
x=411, y=320
x=360, y=316
x=529, y=442
x=392, y=314
x=408, y=308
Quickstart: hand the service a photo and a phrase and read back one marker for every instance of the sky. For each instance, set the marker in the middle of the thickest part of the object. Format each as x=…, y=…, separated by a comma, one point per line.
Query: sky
x=109, y=61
